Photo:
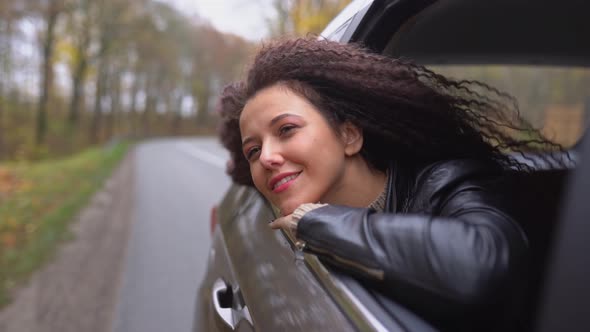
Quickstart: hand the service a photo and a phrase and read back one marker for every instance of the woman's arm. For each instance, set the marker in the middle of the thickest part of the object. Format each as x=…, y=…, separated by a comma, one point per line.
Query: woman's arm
x=460, y=260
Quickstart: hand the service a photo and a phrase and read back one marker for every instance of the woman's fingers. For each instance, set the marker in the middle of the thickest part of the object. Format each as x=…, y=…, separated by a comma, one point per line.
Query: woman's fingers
x=282, y=222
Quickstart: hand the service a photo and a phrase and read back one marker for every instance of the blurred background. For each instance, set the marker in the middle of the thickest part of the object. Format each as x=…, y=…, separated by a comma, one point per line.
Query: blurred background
x=74, y=73
x=82, y=81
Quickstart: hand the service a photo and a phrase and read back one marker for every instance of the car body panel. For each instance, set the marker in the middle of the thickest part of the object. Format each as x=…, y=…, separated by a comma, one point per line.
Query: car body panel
x=281, y=293
x=342, y=23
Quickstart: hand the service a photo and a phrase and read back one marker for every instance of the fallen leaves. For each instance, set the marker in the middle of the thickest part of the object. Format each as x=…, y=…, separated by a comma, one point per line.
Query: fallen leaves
x=11, y=183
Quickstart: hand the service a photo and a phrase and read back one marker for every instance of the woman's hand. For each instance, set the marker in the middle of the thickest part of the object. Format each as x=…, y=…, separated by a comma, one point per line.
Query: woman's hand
x=289, y=222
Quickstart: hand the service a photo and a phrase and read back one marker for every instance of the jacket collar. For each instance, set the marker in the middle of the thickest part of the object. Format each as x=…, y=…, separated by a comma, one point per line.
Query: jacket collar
x=399, y=184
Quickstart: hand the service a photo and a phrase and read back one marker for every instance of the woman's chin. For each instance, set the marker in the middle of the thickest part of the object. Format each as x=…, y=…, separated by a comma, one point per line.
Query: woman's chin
x=287, y=209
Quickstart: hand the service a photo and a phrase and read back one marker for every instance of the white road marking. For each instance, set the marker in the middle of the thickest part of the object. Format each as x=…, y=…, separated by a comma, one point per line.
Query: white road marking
x=201, y=154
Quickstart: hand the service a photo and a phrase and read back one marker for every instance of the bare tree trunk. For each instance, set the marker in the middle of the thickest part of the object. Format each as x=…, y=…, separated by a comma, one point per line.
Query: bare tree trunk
x=203, y=105
x=95, y=125
x=282, y=21
x=101, y=79
x=146, y=117
x=133, y=107
x=177, y=114
x=107, y=36
x=149, y=107
x=46, y=71
x=115, y=97
x=77, y=93
x=78, y=80
x=2, y=103
x=6, y=71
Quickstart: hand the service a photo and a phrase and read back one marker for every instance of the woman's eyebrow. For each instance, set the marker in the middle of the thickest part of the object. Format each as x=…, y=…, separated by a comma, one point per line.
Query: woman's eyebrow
x=281, y=116
x=247, y=140
x=272, y=122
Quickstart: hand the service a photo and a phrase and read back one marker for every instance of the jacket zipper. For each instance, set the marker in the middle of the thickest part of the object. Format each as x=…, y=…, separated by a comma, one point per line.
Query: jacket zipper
x=375, y=273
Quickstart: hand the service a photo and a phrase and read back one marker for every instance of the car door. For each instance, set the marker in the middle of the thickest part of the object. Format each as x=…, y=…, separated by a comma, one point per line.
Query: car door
x=256, y=280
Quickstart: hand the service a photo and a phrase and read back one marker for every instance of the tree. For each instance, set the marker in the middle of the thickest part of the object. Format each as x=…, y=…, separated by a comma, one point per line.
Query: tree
x=312, y=16
x=79, y=29
x=150, y=67
x=300, y=17
x=281, y=25
x=113, y=16
x=217, y=58
x=6, y=32
x=52, y=9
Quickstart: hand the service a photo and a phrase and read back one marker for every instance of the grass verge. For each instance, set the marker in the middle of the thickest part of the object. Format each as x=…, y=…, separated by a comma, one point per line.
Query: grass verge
x=38, y=201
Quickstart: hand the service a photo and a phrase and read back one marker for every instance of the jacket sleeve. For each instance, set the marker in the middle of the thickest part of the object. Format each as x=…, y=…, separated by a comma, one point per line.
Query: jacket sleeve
x=453, y=261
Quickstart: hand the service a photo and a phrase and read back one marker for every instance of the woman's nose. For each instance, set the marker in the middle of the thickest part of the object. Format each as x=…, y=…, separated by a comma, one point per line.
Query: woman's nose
x=270, y=157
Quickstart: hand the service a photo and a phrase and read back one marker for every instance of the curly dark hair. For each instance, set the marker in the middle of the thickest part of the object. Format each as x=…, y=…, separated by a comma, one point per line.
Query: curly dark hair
x=406, y=111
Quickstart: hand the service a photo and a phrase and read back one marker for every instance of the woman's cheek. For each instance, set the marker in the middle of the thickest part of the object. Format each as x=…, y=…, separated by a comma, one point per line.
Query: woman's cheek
x=259, y=182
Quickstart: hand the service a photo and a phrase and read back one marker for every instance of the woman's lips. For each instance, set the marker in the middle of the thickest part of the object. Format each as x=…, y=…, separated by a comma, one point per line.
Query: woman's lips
x=284, y=183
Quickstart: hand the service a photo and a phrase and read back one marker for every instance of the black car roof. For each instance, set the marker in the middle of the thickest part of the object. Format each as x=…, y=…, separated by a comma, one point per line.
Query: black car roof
x=472, y=31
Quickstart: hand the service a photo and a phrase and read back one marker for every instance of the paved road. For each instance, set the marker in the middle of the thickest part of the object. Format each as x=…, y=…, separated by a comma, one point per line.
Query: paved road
x=177, y=183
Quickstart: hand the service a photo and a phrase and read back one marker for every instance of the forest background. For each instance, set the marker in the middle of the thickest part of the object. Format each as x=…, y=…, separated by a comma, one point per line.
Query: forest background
x=82, y=80
x=79, y=73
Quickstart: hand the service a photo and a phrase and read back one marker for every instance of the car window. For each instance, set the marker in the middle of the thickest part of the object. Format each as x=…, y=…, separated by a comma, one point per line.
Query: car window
x=338, y=25
x=337, y=35
x=556, y=99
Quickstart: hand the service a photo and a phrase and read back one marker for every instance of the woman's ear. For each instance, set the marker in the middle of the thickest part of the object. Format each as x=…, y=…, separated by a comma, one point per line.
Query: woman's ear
x=352, y=137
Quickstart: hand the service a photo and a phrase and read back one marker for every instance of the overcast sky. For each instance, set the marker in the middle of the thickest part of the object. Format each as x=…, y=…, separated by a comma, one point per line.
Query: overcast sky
x=246, y=18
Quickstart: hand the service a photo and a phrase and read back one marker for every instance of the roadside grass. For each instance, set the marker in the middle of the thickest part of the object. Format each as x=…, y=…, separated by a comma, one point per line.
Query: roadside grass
x=38, y=201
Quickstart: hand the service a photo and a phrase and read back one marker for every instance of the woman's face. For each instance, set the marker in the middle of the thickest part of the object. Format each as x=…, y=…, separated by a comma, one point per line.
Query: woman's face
x=295, y=156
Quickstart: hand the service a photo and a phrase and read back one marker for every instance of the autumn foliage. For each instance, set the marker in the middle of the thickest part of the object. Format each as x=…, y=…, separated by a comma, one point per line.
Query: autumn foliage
x=98, y=70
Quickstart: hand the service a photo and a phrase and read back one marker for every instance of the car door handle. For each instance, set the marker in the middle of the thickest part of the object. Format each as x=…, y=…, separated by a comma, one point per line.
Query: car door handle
x=227, y=305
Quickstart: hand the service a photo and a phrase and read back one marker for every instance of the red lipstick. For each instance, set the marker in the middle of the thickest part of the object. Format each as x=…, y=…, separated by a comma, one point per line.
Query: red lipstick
x=280, y=182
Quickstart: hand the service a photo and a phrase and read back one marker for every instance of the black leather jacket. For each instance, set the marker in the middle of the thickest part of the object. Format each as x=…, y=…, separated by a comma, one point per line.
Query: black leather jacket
x=444, y=247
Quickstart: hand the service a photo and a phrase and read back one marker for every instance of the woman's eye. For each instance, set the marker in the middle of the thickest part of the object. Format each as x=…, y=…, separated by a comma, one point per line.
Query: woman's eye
x=251, y=153
x=286, y=129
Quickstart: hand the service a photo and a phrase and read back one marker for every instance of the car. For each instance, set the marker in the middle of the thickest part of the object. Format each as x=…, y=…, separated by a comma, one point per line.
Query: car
x=257, y=280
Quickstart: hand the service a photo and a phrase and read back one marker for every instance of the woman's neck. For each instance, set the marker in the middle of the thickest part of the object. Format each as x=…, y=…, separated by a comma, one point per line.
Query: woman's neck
x=359, y=186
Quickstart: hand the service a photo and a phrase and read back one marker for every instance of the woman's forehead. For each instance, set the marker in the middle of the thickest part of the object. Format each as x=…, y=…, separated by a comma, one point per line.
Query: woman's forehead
x=271, y=102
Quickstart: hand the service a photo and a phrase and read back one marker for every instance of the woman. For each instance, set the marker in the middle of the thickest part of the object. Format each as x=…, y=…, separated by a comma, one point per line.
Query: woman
x=386, y=170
